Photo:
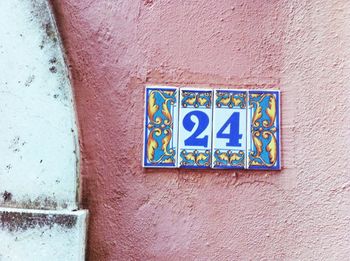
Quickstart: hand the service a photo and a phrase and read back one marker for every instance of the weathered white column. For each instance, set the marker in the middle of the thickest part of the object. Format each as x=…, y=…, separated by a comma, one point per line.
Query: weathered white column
x=39, y=153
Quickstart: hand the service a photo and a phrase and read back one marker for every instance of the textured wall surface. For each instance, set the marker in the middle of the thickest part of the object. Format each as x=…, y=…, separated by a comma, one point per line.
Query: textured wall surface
x=300, y=47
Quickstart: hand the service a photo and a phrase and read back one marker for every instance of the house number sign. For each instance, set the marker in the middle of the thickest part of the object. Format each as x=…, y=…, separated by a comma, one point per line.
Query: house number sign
x=212, y=128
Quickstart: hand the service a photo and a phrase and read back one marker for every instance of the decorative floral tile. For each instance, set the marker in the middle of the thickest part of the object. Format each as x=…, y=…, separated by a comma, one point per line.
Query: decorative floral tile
x=161, y=126
x=264, y=130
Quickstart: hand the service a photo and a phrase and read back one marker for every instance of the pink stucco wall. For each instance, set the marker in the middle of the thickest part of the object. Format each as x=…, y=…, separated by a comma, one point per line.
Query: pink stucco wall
x=302, y=47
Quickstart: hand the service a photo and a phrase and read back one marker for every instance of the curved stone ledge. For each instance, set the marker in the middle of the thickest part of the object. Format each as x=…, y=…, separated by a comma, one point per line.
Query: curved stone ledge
x=42, y=234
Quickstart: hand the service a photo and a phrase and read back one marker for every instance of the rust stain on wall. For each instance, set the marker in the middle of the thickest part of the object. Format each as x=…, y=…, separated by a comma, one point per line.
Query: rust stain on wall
x=9, y=200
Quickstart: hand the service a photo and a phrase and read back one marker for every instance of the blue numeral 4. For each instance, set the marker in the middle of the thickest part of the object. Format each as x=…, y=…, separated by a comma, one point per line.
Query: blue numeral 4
x=234, y=136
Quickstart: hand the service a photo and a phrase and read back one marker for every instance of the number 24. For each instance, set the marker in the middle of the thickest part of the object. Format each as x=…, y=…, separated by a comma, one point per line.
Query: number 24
x=203, y=121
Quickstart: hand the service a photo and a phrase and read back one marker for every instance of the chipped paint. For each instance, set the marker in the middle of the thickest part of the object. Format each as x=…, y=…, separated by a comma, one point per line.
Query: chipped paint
x=38, y=146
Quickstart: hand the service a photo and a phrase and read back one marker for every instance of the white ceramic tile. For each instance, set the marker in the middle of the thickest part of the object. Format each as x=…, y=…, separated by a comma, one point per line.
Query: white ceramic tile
x=229, y=129
x=195, y=128
x=264, y=130
x=160, y=127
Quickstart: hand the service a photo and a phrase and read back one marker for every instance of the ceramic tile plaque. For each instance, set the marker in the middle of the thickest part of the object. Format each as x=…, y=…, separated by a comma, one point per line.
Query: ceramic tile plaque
x=212, y=128
x=229, y=129
x=195, y=128
x=161, y=126
x=264, y=130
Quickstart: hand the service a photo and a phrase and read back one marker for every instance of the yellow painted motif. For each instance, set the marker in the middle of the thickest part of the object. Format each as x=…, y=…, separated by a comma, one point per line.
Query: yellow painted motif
x=271, y=111
x=263, y=130
x=158, y=149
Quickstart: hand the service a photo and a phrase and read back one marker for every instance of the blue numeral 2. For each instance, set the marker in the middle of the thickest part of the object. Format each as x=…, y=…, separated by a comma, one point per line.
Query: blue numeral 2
x=203, y=122
x=234, y=136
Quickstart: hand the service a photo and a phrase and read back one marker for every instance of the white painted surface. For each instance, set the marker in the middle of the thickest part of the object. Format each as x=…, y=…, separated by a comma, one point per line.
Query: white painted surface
x=42, y=237
x=38, y=144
